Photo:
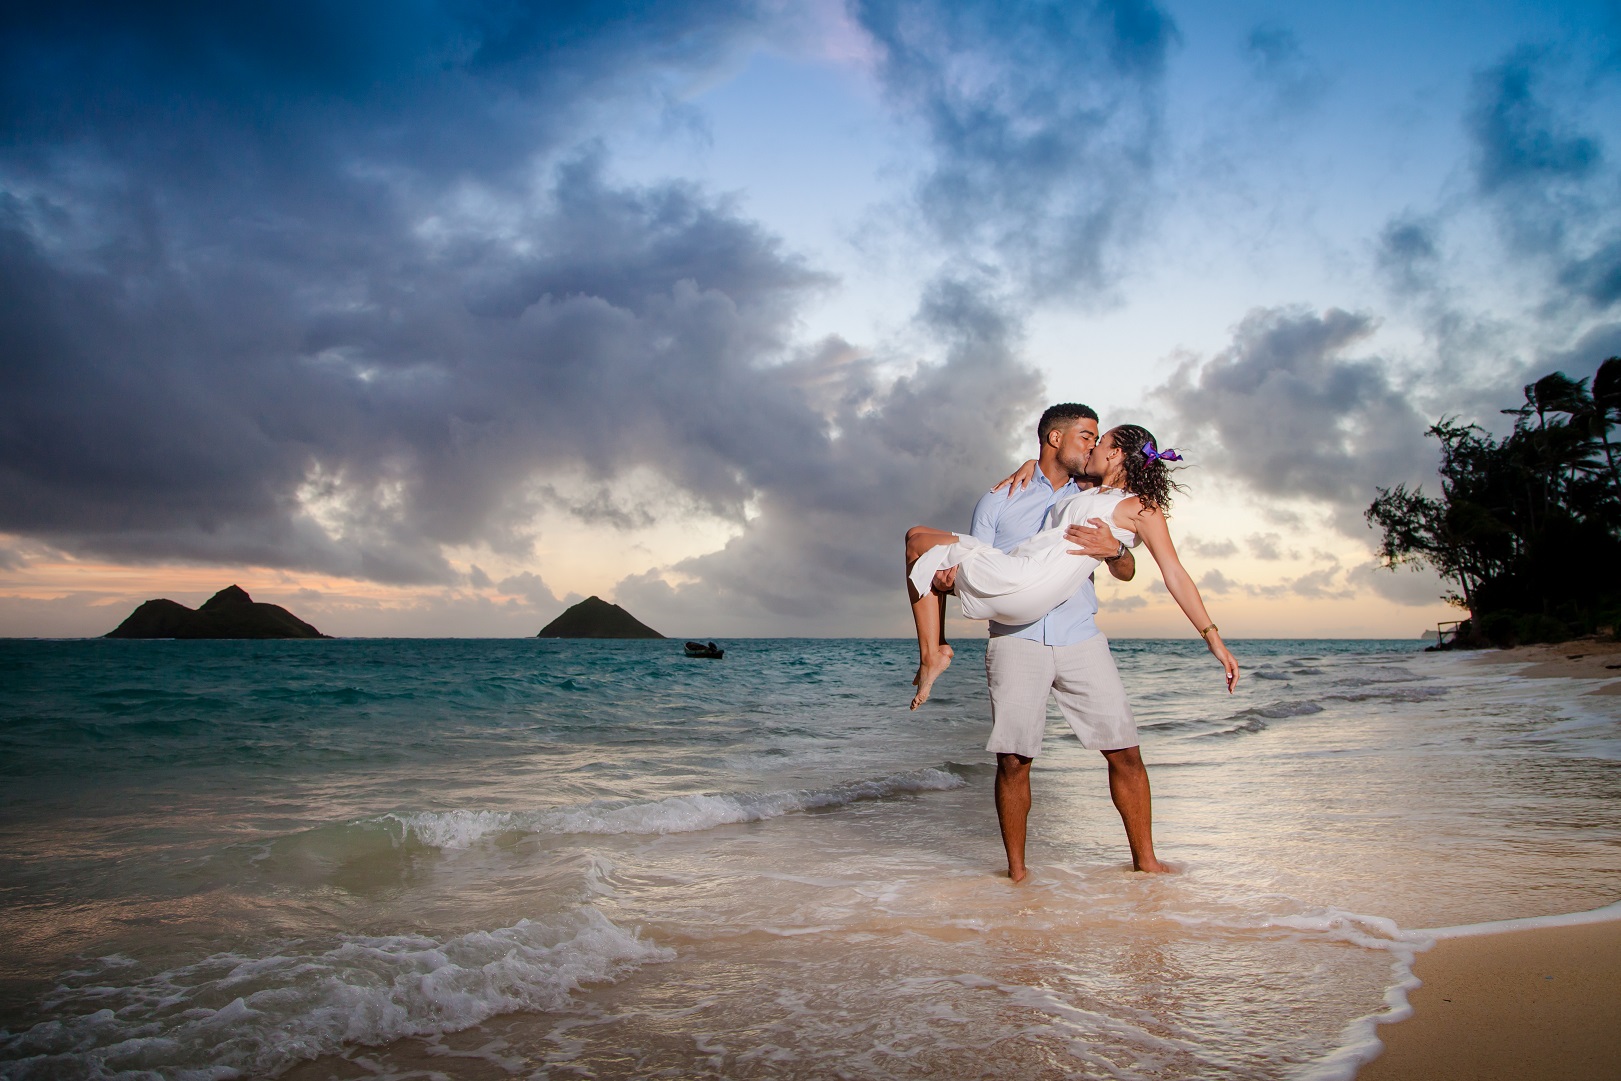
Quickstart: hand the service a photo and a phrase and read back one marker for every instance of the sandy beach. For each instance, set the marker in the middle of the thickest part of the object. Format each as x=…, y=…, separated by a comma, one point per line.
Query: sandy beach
x=1524, y=1004
x=1540, y=1003
x=1597, y=659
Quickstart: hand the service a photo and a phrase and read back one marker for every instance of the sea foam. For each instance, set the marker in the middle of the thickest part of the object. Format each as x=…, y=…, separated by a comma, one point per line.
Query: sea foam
x=674, y=814
x=229, y=1015
x=1360, y=1042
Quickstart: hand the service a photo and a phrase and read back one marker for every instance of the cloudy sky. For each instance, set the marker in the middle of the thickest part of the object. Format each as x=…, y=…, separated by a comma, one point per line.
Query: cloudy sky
x=431, y=317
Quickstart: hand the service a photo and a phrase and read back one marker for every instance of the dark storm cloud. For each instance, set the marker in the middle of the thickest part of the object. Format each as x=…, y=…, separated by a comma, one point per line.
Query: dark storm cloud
x=1287, y=411
x=1408, y=252
x=1596, y=277
x=1045, y=124
x=627, y=247
x=1519, y=140
x=277, y=285
x=1549, y=182
x=1548, y=185
x=199, y=410
x=443, y=87
x=315, y=297
x=918, y=450
x=1582, y=359
x=601, y=507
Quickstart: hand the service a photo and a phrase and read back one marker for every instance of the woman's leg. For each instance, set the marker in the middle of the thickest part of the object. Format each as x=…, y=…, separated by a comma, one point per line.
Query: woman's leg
x=928, y=614
x=934, y=655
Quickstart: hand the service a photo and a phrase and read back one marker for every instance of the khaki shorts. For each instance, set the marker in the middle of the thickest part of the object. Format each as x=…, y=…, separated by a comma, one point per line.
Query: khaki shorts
x=1082, y=676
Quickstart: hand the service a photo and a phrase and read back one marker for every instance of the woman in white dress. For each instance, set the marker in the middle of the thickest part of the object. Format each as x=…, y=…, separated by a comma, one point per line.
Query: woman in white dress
x=1025, y=584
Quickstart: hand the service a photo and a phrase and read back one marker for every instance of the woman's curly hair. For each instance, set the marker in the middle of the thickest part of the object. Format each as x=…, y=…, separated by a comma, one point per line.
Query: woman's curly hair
x=1149, y=481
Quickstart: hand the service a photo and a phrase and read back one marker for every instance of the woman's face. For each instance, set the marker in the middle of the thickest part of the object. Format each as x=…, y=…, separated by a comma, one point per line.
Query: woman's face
x=1103, y=457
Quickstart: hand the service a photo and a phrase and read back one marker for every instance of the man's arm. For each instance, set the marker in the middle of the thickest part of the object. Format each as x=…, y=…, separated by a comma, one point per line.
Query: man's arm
x=1099, y=543
x=987, y=512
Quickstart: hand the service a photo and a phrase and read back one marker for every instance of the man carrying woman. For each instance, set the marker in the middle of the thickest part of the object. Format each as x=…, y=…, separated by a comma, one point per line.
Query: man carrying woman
x=1019, y=570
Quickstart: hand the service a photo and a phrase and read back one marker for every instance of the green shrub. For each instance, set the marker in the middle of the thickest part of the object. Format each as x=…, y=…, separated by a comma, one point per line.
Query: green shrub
x=1501, y=629
x=1541, y=628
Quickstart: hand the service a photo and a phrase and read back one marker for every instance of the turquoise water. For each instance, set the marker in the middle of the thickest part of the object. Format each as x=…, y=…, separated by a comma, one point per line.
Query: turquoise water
x=544, y=858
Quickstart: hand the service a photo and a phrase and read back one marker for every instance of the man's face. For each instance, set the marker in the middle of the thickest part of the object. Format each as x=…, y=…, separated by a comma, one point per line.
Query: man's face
x=1097, y=465
x=1075, y=443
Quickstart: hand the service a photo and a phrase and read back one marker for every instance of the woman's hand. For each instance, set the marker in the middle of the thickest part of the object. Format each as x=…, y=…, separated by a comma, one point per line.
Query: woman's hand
x=1219, y=650
x=1018, y=480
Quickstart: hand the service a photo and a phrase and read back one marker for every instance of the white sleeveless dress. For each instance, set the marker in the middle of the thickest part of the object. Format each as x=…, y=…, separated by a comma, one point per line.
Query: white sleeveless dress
x=1025, y=584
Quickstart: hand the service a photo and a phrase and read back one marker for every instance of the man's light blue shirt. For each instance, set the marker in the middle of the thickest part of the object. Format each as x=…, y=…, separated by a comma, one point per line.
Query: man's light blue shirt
x=1008, y=523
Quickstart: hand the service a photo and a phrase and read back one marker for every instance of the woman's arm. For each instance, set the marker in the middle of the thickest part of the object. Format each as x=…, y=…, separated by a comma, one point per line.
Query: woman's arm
x=1019, y=479
x=1150, y=526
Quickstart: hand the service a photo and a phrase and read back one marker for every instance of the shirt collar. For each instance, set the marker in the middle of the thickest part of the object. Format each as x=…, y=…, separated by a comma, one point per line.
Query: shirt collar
x=1070, y=483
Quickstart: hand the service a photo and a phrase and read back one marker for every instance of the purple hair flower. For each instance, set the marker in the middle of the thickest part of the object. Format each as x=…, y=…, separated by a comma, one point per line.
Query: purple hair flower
x=1166, y=455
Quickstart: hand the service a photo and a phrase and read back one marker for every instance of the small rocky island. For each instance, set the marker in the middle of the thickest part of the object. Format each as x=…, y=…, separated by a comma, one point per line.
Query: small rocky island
x=596, y=618
x=230, y=613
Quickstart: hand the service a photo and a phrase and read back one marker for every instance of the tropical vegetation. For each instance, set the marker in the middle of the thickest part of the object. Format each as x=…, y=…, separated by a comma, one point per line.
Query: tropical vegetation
x=1527, y=529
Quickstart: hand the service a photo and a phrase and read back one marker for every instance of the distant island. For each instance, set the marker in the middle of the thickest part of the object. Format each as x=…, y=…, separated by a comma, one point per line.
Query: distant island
x=230, y=613
x=596, y=618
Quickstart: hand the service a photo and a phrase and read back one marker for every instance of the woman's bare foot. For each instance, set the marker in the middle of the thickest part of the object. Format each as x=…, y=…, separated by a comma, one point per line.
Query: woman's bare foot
x=929, y=671
x=918, y=675
x=949, y=654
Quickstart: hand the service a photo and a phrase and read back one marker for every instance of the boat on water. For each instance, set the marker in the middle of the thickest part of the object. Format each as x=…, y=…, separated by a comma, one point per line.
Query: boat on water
x=705, y=649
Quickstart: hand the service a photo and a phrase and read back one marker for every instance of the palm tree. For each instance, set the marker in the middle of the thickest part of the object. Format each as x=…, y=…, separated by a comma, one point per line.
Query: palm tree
x=1605, y=412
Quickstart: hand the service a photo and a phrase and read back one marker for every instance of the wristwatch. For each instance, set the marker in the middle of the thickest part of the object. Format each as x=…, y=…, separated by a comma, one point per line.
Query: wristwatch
x=1117, y=555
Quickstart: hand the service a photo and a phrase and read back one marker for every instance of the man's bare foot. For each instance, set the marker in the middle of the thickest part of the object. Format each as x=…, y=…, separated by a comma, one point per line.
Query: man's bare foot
x=929, y=671
x=1154, y=867
x=1017, y=876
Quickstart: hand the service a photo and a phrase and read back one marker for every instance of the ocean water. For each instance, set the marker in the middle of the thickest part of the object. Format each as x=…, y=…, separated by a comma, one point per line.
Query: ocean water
x=543, y=859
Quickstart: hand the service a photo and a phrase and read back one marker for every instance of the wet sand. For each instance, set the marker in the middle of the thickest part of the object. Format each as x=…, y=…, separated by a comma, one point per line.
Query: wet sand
x=1596, y=659
x=1540, y=1003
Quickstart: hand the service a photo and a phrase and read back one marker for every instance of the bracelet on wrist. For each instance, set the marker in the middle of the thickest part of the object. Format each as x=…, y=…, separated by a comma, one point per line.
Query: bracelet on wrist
x=1205, y=634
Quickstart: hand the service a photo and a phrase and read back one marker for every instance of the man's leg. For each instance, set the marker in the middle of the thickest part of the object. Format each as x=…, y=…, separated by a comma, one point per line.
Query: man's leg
x=1128, y=785
x=1020, y=675
x=1093, y=700
x=1013, y=808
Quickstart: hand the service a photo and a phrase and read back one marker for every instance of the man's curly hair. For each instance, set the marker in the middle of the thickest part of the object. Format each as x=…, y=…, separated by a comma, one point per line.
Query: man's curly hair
x=1149, y=481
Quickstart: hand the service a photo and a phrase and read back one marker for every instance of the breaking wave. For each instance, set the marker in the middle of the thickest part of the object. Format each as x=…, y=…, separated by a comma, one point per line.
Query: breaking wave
x=229, y=1015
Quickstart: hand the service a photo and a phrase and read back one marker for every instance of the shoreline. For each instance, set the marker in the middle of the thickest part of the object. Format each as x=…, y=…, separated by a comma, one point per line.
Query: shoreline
x=1518, y=999
x=1595, y=659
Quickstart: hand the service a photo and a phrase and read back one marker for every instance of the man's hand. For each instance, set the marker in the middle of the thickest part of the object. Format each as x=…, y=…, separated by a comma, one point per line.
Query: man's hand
x=1092, y=538
x=1096, y=540
x=945, y=581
